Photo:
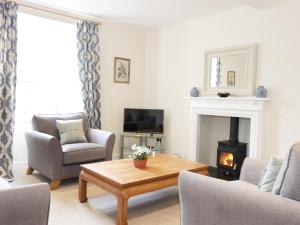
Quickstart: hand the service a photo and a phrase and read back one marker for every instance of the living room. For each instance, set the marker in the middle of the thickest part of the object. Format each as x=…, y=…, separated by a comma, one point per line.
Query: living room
x=114, y=60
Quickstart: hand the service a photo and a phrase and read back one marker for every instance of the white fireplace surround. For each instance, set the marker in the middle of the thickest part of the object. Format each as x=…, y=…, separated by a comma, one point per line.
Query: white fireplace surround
x=243, y=107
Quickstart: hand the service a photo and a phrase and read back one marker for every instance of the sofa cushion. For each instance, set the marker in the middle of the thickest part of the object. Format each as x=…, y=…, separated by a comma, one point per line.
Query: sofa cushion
x=3, y=184
x=71, y=131
x=46, y=123
x=287, y=183
x=251, y=170
x=82, y=152
x=270, y=174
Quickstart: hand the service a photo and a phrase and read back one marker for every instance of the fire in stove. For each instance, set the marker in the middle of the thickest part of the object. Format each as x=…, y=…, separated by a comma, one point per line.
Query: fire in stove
x=226, y=159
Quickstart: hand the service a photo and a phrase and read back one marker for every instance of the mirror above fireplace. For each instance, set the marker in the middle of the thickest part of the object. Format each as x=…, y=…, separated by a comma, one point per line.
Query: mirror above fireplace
x=230, y=70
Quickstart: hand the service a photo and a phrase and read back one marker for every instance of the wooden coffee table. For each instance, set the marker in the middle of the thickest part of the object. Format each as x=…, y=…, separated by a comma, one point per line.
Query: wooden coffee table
x=122, y=179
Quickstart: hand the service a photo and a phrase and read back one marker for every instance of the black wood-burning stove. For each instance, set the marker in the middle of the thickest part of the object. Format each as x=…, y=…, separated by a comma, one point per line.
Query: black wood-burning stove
x=231, y=153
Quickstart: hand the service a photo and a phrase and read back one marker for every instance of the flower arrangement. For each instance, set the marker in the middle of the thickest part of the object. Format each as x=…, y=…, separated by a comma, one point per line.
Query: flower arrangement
x=140, y=152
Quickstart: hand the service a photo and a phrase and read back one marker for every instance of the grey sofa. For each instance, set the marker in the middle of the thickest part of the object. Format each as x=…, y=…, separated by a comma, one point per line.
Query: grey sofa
x=209, y=201
x=56, y=161
x=25, y=205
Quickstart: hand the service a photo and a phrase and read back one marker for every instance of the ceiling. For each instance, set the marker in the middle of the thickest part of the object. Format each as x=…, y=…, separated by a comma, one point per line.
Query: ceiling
x=153, y=13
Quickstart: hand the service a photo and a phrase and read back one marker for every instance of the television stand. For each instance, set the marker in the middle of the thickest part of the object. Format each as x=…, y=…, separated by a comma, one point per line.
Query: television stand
x=155, y=141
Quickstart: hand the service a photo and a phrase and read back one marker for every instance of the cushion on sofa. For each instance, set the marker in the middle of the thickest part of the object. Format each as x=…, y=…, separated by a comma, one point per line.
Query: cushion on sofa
x=287, y=183
x=71, y=131
x=270, y=174
x=82, y=152
x=46, y=123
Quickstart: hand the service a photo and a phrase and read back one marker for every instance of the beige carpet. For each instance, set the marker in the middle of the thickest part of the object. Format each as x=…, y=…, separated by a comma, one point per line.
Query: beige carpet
x=160, y=207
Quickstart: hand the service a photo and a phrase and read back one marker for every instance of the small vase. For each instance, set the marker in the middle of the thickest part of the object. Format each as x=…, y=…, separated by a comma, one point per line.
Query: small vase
x=194, y=92
x=140, y=163
x=261, y=92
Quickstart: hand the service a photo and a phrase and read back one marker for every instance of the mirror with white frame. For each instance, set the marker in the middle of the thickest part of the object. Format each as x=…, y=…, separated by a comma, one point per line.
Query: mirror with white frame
x=231, y=70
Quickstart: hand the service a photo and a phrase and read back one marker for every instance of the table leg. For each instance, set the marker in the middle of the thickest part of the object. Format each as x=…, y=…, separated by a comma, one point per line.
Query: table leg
x=121, y=147
x=122, y=210
x=82, y=188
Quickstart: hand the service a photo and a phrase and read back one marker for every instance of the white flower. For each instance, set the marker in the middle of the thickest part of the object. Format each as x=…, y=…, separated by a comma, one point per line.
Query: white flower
x=134, y=147
x=140, y=152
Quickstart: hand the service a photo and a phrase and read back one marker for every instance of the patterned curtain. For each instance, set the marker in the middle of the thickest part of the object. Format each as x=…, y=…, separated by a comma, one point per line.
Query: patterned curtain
x=89, y=70
x=8, y=62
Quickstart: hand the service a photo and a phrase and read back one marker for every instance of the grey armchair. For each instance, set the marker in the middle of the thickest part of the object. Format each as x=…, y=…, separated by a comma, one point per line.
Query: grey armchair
x=56, y=161
x=24, y=205
x=209, y=201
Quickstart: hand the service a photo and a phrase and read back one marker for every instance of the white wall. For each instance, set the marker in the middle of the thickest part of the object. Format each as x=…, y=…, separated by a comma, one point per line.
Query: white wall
x=126, y=41
x=175, y=60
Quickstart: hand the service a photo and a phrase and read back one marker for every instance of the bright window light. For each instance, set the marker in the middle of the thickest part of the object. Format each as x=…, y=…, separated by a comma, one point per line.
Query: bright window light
x=47, y=78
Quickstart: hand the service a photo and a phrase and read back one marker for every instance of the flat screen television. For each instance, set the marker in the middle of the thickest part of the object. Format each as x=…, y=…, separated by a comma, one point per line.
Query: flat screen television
x=143, y=120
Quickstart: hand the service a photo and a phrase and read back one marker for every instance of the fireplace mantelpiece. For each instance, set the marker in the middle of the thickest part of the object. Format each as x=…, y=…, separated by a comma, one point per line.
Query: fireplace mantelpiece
x=243, y=107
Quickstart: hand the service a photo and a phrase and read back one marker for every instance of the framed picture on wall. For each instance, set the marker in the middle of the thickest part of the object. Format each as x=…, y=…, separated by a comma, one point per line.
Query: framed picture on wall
x=231, y=78
x=122, y=70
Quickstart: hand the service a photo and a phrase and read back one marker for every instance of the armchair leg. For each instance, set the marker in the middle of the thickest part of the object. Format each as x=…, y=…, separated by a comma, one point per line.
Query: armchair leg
x=54, y=184
x=29, y=171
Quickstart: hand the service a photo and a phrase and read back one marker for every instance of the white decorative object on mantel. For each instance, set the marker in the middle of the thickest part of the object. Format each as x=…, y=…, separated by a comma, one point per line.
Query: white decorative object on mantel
x=244, y=107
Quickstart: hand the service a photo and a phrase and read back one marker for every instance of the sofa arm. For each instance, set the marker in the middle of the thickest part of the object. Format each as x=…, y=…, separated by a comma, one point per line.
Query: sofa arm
x=26, y=205
x=251, y=170
x=208, y=201
x=44, y=154
x=103, y=138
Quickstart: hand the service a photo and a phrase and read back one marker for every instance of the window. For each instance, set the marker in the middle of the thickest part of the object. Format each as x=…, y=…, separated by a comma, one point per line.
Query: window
x=47, y=78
